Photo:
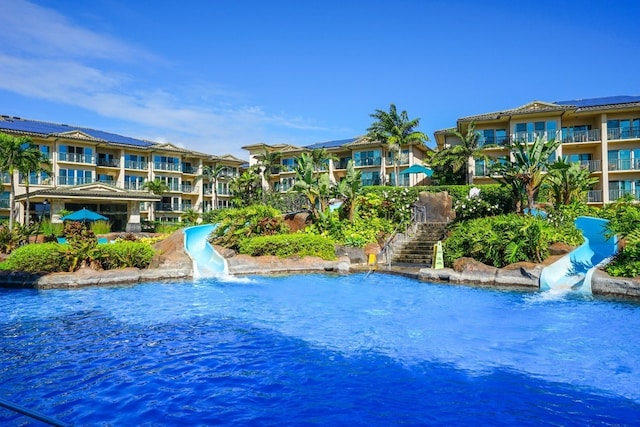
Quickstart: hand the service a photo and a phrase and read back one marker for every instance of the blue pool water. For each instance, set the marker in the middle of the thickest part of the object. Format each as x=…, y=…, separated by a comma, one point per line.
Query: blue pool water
x=318, y=350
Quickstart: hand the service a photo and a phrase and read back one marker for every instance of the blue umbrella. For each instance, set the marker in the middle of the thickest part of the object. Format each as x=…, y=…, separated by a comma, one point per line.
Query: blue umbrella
x=84, y=215
x=418, y=169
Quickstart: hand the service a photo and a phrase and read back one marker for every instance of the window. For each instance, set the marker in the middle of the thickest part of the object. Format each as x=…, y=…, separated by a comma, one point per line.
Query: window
x=107, y=179
x=403, y=180
x=367, y=158
x=134, y=161
x=132, y=182
x=223, y=188
x=370, y=178
x=619, y=160
x=74, y=177
x=70, y=153
x=173, y=182
x=399, y=159
x=166, y=163
x=109, y=160
x=529, y=131
x=288, y=164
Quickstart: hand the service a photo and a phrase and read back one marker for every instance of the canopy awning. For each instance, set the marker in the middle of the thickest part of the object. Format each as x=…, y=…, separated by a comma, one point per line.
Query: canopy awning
x=418, y=169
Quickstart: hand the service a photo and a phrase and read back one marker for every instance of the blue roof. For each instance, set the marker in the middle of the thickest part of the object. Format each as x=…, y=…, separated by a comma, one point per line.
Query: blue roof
x=595, y=102
x=330, y=144
x=45, y=129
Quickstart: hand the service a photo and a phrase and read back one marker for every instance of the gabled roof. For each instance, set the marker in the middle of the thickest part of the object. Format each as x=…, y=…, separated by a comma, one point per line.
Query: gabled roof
x=46, y=129
x=576, y=105
x=95, y=190
x=228, y=158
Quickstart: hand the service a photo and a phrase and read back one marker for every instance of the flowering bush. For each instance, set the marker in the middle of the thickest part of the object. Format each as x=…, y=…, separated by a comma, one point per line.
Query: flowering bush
x=474, y=206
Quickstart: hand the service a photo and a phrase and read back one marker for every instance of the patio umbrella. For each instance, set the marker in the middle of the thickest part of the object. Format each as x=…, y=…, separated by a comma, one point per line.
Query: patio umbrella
x=418, y=169
x=84, y=215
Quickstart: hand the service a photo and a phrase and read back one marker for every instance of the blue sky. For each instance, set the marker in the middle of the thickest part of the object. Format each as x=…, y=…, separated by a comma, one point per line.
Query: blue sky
x=215, y=75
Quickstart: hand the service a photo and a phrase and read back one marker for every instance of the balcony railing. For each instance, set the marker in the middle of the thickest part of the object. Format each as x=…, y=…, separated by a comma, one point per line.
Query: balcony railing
x=132, y=164
x=39, y=180
x=134, y=185
x=77, y=158
x=4, y=203
x=624, y=165
x=402, y=160
x=616, y=194
x=623, y=133
x=174, y=187
x=366, y=182
x=189, y=188
x=70, y=180
x=164, y=166
x=592, y=165
x=594, y=196
x=499, y=141
x=109, y=181
x=110, y=163
x=167, y=207
x=342, y=164
x=368, y=161
x=189, y=169
x=570, y=136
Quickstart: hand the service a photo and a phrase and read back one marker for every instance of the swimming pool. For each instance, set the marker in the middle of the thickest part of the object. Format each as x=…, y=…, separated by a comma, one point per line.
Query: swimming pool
x=318, y=349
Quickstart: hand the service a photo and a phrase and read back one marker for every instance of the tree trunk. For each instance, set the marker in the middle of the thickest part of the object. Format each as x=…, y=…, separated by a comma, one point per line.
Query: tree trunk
x=12, y=202
x=470, y=170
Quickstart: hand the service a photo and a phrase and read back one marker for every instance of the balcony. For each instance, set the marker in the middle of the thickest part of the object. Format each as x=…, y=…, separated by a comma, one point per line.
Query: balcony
x=5, y=178
x=70, y=180
x=367, y=182
x=623, y=133
x=4, y=203
x=624, y=165
x=189, y=188
x=342, y=163
x=594, y=196
x=108, y=181
x=576, y=136
x=592, y=165
x=164, y=166
x=174, y=187
x=39, y=180
x=401, y=161
x=368, y=161
x=132, y=164
x=134, y=185
x=617, y=194
x=189, y=169
x=109, y=163
x=77, y=158
x=167, y=207
x=499, y=141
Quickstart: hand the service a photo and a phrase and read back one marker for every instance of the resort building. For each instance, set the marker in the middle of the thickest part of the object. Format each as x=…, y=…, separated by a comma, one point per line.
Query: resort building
x=106, y=172
x=602, y=134
x=374, y=160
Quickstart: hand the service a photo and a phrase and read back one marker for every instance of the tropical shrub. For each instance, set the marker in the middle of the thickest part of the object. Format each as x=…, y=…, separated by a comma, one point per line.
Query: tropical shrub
x=286, y=245
x=627, y=262
x=240, y=223
x=100, y=227
x=504, y=239
x=124, y=254
x=41, y=257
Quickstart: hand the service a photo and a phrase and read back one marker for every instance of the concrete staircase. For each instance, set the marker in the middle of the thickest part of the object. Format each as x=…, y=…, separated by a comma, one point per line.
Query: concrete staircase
x=417, y=247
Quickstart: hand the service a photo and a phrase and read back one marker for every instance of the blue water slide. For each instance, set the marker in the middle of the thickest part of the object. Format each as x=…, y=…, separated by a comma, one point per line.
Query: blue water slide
x=206, y=261
x=573, y=271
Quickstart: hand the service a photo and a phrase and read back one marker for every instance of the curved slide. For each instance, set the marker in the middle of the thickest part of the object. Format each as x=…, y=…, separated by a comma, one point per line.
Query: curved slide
x=573, y=271
x=206, y=261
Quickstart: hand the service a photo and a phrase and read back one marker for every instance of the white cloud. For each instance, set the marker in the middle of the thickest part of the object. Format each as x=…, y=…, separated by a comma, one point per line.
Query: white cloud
x=45, y=56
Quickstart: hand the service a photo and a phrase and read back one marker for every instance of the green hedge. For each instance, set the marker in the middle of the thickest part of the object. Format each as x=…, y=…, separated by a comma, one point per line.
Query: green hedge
x=35, y=258
x=124, y=254
x=285, y=245
x=53, y=257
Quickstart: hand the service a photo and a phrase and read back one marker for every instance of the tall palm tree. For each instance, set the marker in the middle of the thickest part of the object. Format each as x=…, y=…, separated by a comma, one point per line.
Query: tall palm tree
x=395, y=130
x=157, y=187
x=211, y=175
x=270, y=163
x=468, y=150
x=33, y=161
x=16, y=154
x=348, y=189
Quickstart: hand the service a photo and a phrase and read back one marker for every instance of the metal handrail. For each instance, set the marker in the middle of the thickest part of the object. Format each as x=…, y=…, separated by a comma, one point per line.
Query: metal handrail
x=32, y=414
x=387, y=243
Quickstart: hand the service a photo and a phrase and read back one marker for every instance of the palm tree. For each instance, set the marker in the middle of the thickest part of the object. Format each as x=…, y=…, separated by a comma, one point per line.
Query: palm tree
x=17, y=154
x=212, y=174
x=33, y=161
x=246, y=188
x=529, y=165
x=395, y=130
x=569, y=182
x=157, y=187
x=468, y=150
x=320, y=159
x=270, y=163
x=316, y=189
x=348, y=189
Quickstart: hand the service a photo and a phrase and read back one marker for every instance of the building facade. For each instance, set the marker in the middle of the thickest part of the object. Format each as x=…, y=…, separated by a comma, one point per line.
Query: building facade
x=106, y=172
x=373, y=159
x=601, y=134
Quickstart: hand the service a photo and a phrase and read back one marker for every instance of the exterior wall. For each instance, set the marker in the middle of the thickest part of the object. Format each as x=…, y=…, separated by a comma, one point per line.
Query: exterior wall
x=609, y=149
